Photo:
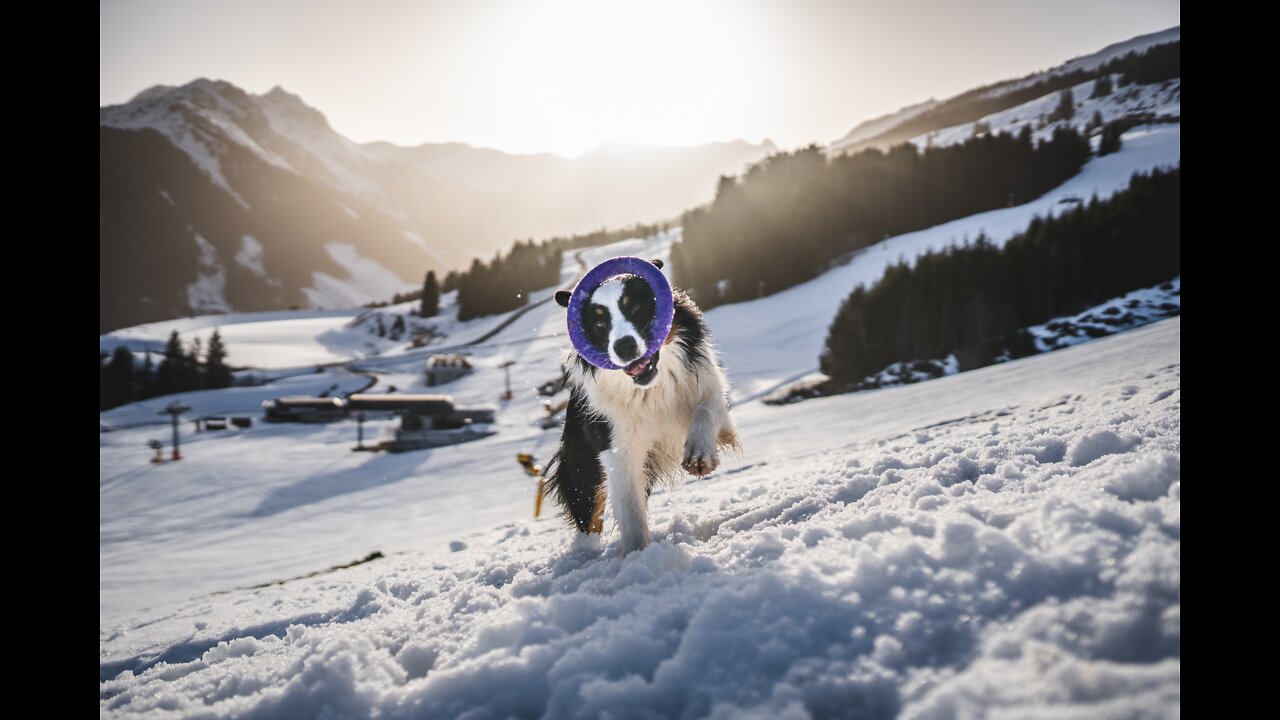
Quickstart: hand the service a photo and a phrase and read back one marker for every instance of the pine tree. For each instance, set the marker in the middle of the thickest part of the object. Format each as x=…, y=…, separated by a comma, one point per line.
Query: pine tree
x=216, y=372
x=193, y=375
x=147, y=378
x=430, y=296
x=1066, y=107
x=172, y=367
x=1110, y=141
x=1101, y=87
x=1096, y=121
x=117, y=381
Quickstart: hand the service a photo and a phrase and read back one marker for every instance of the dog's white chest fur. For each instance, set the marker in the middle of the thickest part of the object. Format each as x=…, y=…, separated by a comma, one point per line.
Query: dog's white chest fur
x=654, y=419
x=658, y=432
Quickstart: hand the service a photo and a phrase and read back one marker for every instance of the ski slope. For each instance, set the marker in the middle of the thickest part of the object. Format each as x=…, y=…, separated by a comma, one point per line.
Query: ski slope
x=1002, y=542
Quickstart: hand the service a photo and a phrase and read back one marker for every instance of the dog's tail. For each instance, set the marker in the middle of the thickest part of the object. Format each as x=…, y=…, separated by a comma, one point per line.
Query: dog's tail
x=576, y=480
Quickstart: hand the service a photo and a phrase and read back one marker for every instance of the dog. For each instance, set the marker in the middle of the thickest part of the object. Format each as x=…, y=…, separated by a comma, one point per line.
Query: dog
x=629, y=430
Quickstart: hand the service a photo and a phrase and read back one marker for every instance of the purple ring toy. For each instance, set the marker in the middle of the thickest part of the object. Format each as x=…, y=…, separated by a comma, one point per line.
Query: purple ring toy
x=597, y=276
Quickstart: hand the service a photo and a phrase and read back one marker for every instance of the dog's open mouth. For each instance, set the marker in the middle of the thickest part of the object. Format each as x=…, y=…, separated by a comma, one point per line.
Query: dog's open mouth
x=643, y=371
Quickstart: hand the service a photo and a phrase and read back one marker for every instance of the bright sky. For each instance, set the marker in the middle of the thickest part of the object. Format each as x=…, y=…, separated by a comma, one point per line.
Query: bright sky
x=566, y=75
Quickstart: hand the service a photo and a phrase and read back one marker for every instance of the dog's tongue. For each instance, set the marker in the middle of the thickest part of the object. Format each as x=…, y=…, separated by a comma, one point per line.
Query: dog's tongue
x=637, y=367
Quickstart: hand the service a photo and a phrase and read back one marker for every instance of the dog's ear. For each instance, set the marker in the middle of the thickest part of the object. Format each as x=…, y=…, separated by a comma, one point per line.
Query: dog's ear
x=657, y=262
x=562, y=297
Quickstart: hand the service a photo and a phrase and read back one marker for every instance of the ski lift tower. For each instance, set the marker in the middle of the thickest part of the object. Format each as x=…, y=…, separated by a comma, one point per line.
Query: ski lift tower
x=506, y=368
x=173, y=411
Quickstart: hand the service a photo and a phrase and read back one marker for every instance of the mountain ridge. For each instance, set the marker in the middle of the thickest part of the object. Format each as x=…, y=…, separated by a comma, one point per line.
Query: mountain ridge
x=196, y=178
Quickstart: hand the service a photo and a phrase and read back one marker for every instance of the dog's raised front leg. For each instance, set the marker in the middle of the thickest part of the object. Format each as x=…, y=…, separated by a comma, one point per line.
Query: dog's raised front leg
x=700, y=456
x=627, y=483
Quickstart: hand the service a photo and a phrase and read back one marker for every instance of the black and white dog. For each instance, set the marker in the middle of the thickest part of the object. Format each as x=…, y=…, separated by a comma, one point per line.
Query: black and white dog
x=628, y=430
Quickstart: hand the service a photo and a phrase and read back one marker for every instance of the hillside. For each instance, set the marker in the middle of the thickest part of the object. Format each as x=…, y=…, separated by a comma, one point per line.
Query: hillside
x=893, y=551
x=961, y=110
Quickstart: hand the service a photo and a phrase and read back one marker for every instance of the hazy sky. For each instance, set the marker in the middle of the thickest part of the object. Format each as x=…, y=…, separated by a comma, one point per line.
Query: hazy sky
x=566, y=75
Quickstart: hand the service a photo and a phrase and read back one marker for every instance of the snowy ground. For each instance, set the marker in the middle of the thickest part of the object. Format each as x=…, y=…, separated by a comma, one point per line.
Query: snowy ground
x=1002, y=543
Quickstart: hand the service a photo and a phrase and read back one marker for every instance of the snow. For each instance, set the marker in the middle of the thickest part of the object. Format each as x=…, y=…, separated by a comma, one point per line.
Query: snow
x=902, y=552
x=186, y=114
x=207, y=294
x=249, y=256
x=310, y=341
x=1151, y=478
x=1126, y=312
x=417, y=240
x=152, y=336
x=367, y=281
x=201, y=103
x=1094, y=60
x=1162, y=100
x=1098, y=444
x=347, y=167
x=900, y=373
x=878, y=126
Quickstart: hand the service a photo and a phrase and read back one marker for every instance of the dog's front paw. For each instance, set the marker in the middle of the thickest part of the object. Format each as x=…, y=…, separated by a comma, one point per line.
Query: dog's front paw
x=700, y=461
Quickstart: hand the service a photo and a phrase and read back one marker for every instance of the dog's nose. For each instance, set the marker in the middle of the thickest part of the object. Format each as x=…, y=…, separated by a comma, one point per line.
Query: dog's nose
x=625, y=348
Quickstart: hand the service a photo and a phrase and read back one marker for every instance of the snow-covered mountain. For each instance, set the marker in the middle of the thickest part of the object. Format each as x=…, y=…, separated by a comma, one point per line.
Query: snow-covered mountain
x=925, y=118
x=216, y=199
x=1092, y=61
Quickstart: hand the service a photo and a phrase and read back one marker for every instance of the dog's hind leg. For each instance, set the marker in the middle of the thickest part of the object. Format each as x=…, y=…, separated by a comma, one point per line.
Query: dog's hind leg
x=597, y=515
x=576, y=476
x=580, y=489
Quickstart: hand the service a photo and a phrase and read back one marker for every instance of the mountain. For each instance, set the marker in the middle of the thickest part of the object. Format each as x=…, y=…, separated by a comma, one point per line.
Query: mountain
x=614, y=184
x=933, y=115
x=213, y=199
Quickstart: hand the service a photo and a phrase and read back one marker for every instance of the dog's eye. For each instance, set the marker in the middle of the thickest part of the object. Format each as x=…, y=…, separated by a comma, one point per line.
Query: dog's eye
x=599, y=323
x=624, y=301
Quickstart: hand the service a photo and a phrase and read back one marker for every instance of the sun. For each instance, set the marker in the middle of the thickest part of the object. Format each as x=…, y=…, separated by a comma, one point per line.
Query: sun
x=577, y=73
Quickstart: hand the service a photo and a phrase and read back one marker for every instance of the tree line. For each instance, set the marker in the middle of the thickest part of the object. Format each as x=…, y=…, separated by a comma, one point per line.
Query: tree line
x=503, y=283
x=974, y=299
x=790, y=215
x=122, y=380
x=1155, y=64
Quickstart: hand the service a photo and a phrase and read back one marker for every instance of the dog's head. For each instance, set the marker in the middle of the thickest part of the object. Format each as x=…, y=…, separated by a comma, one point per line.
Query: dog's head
x=618, y=320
